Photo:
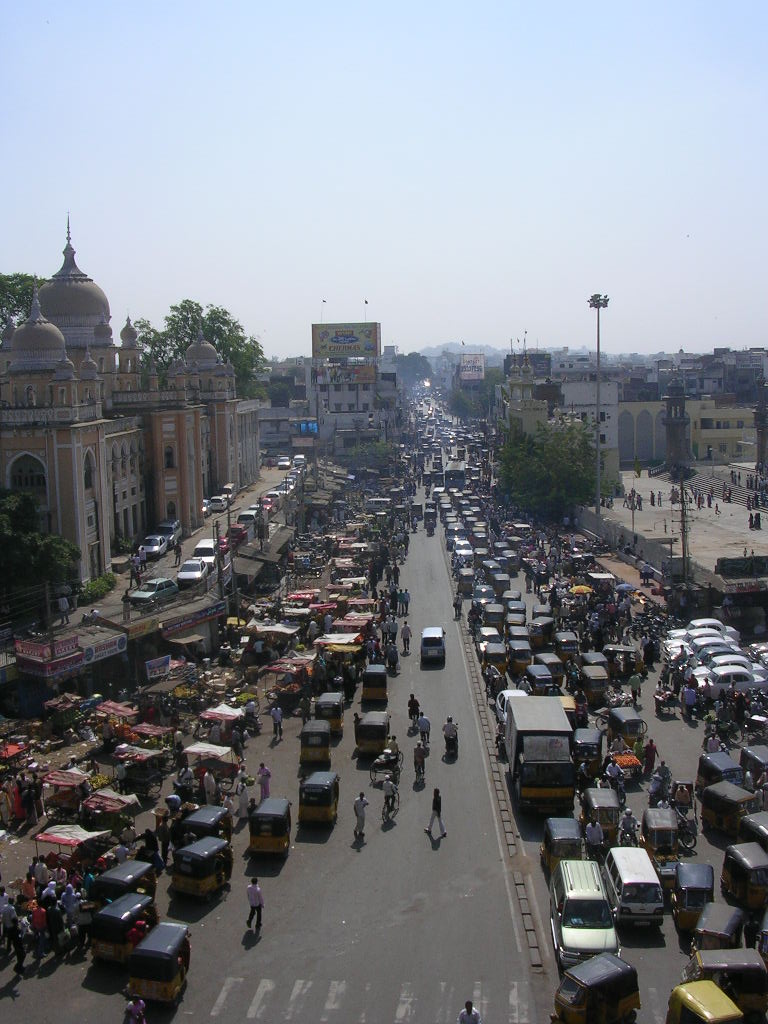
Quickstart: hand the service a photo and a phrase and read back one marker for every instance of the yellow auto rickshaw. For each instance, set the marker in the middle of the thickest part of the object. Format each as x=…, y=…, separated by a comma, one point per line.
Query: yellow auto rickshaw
x=701, y=1001
x=494, y=615
x=269, y=826
x=568, y=702
x=375, y=682
x=495, y=654
x=724, y=805
x=158, y=966
x=566, y=645
x=745, y=875
x=539, y=682
x=209, y=821
x=515, y=627
x=553, y=663
x=602, y=804
x=329, y=707
x=562, y=841
x=717, y=767
x=659, y=839
x=315, y=743
x=593, y=680
x=601, y=990
x=130, y=876
x=517, y=608
x=319, y=798
x=719, y=927
x=623, y=660
x=739, y=973
x=202, y=868
x=111, y=926
x=520, y=656
x=372, y=732
x=628, y=724
x=591, y=658
x=541, y=630
x=694, y=887
x=753, y=828
x=588, y=749
x=754, y=759
x=466, y=582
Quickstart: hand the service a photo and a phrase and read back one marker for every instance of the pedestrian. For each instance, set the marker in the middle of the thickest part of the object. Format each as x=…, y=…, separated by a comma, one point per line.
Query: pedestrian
x=651, y=752
x=177, y=549
x=276, y=714
x=264, y=775
x=469, y=1015
x=437, y=813
x=241, y=792
x=136, y=1011
x=255, y=902
x=424, y=727
x=209, y=787
x=406, y=601
x=163, y=836
x=63, y=611
x=121, y=773
x=359, y=807
x=305, y=707
x=635, y=682
x=751, y=931
x=142, y=559
x=406, y=634
x=13, y=933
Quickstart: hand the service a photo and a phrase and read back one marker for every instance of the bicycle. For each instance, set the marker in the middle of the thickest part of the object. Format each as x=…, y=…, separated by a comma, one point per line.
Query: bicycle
x=390, y=807
x=420, y=770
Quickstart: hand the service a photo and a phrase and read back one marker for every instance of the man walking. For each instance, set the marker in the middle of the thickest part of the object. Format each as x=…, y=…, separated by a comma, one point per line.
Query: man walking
x=359, y=807
x=255, y=902
x=437, y=813
x=177, y=549
x=406, y=634
x=276, y=714
x=64, y=610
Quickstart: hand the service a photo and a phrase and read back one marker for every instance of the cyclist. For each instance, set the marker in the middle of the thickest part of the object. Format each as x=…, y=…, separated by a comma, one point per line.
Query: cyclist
x=419, y=760
x=390, y=792
x=414, y=709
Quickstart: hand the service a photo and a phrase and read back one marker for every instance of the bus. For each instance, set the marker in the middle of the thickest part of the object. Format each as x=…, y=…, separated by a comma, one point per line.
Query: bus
x=456, y=475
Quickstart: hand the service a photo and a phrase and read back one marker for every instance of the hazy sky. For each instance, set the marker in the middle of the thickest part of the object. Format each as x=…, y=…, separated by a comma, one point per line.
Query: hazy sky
x=473, y=169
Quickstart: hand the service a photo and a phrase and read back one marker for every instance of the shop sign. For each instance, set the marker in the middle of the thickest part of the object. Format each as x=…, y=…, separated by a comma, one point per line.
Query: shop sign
x=105, y=648
x=142, y=628
x=52, y=669
x=203, y=615
x=158, y=668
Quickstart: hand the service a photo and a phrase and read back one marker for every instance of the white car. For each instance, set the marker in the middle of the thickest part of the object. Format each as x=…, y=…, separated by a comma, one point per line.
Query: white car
x=206, y=551
x=284, y=462
x=155, y=545
x=192, y=572
x=219, y=503
x=502, y=703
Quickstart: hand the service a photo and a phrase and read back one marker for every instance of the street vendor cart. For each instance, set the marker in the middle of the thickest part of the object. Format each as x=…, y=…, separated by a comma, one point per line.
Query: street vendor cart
x=220, y=761
x=143, y=769
x=67, y=787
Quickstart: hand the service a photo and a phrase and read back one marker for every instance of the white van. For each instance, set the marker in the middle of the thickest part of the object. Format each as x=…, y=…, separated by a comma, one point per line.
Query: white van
x=378, y=504
x=633, y=887
x=206, y=549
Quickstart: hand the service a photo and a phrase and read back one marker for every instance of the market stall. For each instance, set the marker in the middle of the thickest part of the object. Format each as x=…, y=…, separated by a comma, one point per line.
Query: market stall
x=74, y=845
x=107, y=809
x=63, y=792
x=220, y=761
x=220, y=720
x=144, y=773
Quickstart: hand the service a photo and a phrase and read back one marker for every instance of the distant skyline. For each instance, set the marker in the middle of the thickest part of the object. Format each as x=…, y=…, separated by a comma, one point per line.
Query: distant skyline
x=473, y=171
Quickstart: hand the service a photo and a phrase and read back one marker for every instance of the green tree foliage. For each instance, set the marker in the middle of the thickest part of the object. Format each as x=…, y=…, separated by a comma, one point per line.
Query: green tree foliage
x=225, y=333
x=550, y=471
x=30, y=558
x=473, y=401
x=413, y=368
x=15, y=297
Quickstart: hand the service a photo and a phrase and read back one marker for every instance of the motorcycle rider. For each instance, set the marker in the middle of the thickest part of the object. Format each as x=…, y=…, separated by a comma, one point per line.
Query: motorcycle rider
x=628, y=826
x=414, y=709
x=451, y=734
x=419, y=760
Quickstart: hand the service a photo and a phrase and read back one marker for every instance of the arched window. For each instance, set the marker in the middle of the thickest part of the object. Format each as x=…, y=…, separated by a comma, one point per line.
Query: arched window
x=30, y=395
x=28, y=474
x=88, y=472
x=171, y=510
x=169, y=458
x=101, y=364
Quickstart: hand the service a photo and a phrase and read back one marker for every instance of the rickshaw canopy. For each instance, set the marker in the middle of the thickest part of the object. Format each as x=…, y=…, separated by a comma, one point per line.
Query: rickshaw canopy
x=749, y=856
x=562, y=828
x=722, y=920
x=694, y=876
x=606, y=973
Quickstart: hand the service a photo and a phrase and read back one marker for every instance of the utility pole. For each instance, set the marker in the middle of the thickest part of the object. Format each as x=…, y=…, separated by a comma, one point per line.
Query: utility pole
x=219, y=559
x=597, y=302
x=683, y=526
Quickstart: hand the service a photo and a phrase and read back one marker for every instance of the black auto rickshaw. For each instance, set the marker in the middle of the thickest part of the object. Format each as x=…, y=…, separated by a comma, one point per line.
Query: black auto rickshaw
x=494, y=615
x=158, y=966
x=566, y=645
x=588, y=749
x=372, y=732
x=520, y=656
x=209, y=821
x=375, y=682
x=724, y=805
x=745, y=875
x=589, y=659
x=623, y=660
x=694, y=887
x=495, y=654
x=602, y=805
x=112, y=925
x=269, y=826
x=628, y=724
x=593, y=680
x=466, y=582
x=541, y=630
x=601, y=990
x=739, y=973
x=562, y=841
x=315, y=743
x=753, y=828
x=754, y=759
x=718, y=767
x=553, y=663
x=719, y=927
x=329, y=707
x=202, y=867
x=319, y=798
x=659, y=839
x=130, y=876
x=538, y=680
x=701, y=1001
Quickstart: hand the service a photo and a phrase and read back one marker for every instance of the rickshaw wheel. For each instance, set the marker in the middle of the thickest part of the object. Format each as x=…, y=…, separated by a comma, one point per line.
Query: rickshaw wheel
x=601, y=721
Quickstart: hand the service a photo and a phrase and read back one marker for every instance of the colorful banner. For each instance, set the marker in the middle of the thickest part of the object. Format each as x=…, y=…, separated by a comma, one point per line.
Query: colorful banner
x=346, y=341
x=44, y=651
x=472, y=366
x=203, y=615
x=158, y=668
x=105, y=648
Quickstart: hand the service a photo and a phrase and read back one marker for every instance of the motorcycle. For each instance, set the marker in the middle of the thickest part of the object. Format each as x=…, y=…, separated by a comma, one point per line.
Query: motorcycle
x=628, y=836
x=452, y=745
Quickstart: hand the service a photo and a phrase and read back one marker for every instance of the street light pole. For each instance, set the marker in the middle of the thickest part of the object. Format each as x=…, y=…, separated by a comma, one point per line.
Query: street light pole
x=597, y=302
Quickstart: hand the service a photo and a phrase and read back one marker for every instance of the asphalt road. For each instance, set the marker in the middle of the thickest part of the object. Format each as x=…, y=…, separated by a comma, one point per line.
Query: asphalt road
x=397, y=928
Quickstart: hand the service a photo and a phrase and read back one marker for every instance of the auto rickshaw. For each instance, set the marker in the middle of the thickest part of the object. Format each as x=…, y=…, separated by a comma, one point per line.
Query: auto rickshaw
x=739, y=973
x=541, y=611
x=566, y=645
x=753, y=828
x=694, y=887
x=375, y=682
x=724, y=805
x=762, y=938
x=719, y=927
x=572, y=712
x=553, y=663
x=329, y=707
x=466, y=582
x=493, y=615
x=745, y=875
x=111, y=926
x=701, y=1001
x=658, y=837
x=601, y=990
x=603, y=804
x=269, y=826
x=319, y=798
x=538, y=679
x=315, y=743
x=511, y=595
x=203, y=867
x=590, y=658
x=517, y=608
x=158, y=965
x=520, y=656
x=130, y=876
x=588, y=748
x=562, y=841
x=622, y=660
x=514, y=630
x=541, y=630
x=495, y=654
x=372, y=732
x=209, y=821
x=627, y=723
x=754, y=759
x=718, y=767
x=593, y=680
x=500, y=582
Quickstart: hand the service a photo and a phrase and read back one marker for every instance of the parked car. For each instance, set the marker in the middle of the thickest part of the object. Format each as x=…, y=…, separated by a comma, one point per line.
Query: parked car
x=219, y=503
x=170, y=528
x=192, y=572
x=152, y=592
x=155, y=545
x=284, y=462
x=206, y=550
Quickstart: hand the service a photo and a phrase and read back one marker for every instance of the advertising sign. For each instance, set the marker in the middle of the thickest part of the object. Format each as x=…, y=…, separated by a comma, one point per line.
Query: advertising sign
x=472, y=366
x=105, y=648
x=36, y=651
x=158, y=668
x=52, y=669
x=203, y=615
x=346, y=341
x=354, y=374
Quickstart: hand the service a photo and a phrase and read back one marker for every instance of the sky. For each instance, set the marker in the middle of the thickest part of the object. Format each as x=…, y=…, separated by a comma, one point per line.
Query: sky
x=474, y=170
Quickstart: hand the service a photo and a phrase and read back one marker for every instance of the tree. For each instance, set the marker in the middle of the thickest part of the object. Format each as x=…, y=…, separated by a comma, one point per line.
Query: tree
x=550, y=471
x=15, y=297
x=413, y=368
x=474, y=402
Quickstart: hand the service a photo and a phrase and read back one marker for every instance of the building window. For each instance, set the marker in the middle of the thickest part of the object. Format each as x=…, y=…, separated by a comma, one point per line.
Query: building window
x=602, y=416
x=602, y=439
x=337, y=406
x=88, y=473
x=723, y=449
x=169, y=460
x=739, y=426
x=171, y=510
x=28, y=474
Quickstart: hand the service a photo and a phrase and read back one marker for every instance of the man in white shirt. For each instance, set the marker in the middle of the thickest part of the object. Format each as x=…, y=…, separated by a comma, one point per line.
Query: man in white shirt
x=469, y=1015
x=593, y=834
x=359, y=808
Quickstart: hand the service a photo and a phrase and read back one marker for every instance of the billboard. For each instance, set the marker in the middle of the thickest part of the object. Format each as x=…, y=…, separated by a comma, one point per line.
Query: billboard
x=356, y=373
x=343, y=341
x=472, y=366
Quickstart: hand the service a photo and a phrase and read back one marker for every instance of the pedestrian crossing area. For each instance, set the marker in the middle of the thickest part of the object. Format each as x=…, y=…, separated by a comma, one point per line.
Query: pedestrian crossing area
x=334, y=1001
